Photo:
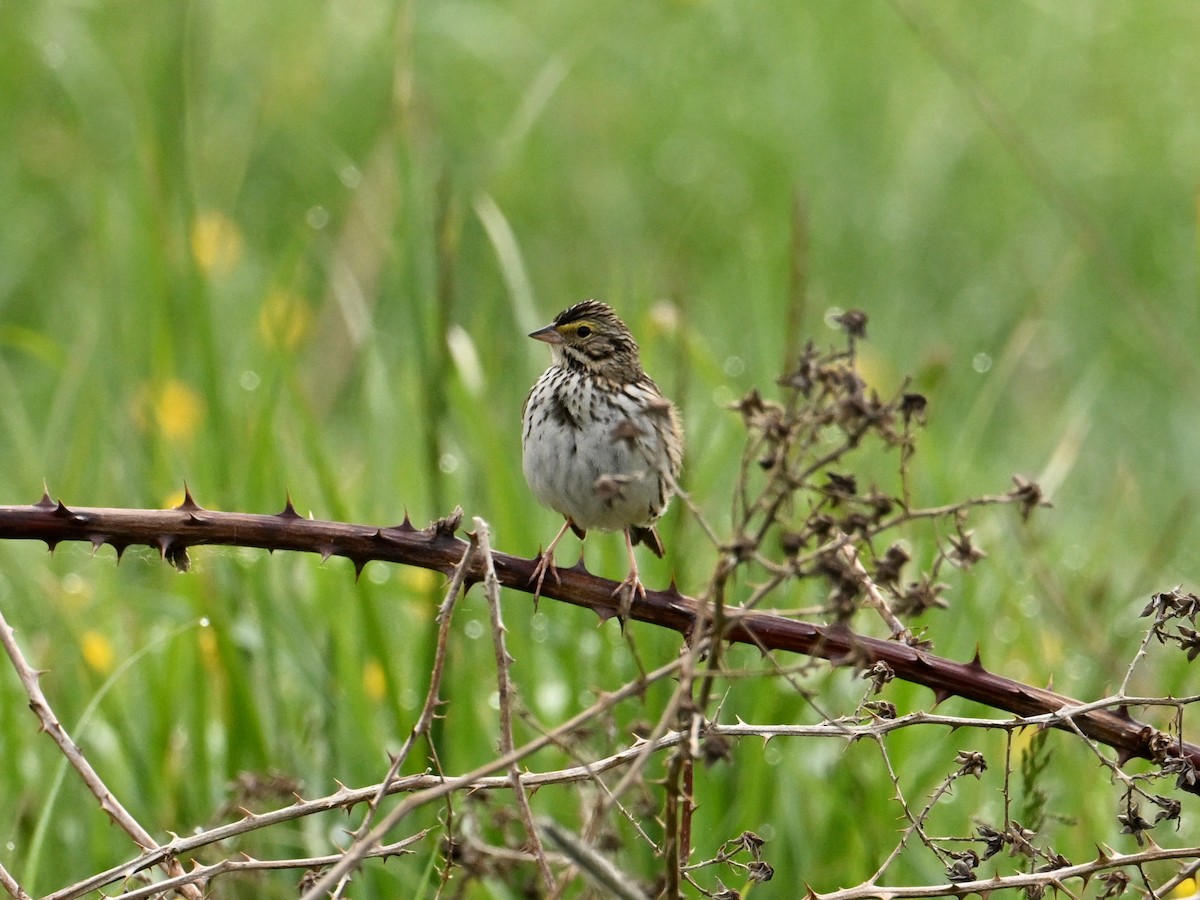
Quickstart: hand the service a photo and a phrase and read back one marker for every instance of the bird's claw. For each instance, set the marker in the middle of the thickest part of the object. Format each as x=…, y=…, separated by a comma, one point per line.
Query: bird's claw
x=625, y=592
x=545, y=562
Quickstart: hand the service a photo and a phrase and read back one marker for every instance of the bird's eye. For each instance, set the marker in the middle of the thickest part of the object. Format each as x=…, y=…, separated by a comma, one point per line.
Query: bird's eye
x=583, y=330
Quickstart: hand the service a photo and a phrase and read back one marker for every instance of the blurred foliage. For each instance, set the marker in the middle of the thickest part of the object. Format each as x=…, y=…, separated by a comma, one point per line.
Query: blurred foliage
x=267, y=248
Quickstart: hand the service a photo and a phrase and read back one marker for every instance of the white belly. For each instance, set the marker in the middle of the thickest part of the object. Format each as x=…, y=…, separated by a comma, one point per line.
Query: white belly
x=576, y=465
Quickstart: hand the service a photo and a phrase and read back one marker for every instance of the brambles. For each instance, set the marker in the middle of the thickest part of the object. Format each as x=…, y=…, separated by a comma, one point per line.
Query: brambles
x=630, y=793
x=814, y=486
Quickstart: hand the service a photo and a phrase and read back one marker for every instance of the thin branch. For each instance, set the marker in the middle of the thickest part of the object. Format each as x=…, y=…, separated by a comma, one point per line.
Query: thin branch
x=1105, y=862
x=447, y=786
x=207, y=873
x=10, y=884
x=432, y=700
x=491, y=590
x=112, y=807
x=346, y=798
x=878, y=601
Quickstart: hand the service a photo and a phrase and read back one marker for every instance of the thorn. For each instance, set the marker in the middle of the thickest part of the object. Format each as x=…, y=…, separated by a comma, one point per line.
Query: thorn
x=51, y=543
x=120, y=548
x=188, y=504
x=941, y=694
x=580, y=566
x=62, y=512
x=605, y=613
x=326, y=552
x=289, y=511
x=98, y=541
x=976, y=663
x=359, y=565
x=45, y=502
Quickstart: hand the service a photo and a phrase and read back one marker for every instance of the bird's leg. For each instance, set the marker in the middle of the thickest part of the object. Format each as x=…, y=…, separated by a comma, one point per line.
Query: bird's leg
x=631, y=585
x=547, y=562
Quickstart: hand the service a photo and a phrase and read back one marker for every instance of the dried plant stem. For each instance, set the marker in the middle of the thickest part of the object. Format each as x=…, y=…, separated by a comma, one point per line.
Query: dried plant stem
x=225, y=866
x=878, y=601
x=1138, y=657
x=1106, y=861
x=846, y=730
x=506, y=697
x=111, y=806
x=916, y=824
x=432, y=700
x=356, y=853
x=10, y=884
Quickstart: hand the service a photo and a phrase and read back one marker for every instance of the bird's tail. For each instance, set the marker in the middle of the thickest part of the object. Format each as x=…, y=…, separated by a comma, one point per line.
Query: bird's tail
x=648, y=537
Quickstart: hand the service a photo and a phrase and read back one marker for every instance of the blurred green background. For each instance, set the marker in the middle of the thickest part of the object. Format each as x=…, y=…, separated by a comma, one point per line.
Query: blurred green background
x=296, y=247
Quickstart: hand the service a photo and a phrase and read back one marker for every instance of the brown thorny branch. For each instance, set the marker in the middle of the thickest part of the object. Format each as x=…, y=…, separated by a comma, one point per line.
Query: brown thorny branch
x=800, y=515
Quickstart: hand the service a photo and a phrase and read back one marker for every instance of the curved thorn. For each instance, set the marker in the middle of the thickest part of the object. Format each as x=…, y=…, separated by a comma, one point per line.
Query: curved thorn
x=188, y=504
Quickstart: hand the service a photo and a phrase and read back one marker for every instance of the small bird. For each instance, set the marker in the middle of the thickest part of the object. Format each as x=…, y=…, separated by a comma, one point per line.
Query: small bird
x=601, y=445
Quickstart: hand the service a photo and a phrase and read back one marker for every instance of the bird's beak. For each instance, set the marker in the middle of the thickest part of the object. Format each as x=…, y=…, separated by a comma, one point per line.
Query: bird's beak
x=549, y=334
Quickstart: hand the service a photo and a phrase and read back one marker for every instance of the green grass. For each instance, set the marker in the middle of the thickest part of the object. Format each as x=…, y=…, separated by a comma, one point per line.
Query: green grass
x=1012, y=192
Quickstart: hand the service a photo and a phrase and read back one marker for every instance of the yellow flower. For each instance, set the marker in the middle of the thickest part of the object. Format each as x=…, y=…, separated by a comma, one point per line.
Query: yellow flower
x=210, y=653
x=216, y=243
x=284, y=320
x=1023, y=739
x=374, y=680
x=175, y=410
x=420, y=581
x=97, y=652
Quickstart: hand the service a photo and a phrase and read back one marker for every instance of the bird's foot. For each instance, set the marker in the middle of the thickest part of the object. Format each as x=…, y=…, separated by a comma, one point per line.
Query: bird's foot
x=625, y=593
x=545, y=563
